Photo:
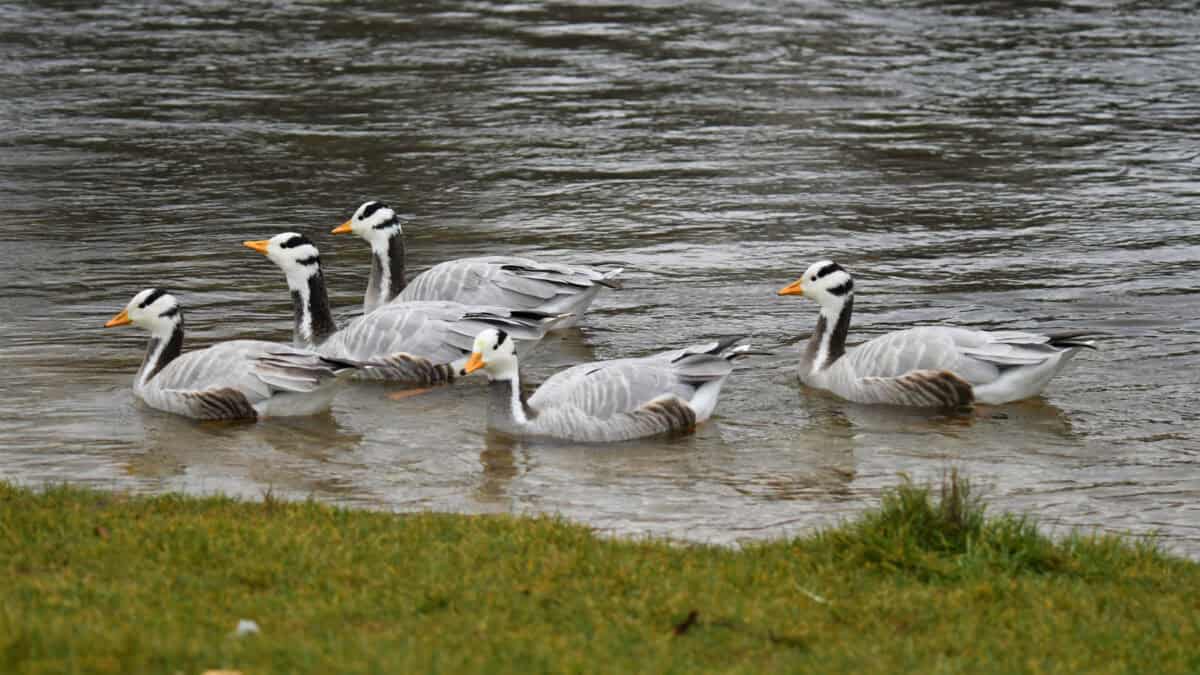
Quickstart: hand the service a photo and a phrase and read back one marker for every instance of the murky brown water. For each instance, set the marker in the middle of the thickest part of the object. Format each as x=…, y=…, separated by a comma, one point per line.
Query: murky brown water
x=993, y=164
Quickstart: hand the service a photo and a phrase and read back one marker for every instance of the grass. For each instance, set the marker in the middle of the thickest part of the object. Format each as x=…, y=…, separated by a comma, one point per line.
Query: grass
x=102, y=582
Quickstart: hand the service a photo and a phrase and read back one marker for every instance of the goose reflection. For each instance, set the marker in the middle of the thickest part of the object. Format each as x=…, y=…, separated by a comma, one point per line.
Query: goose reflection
x=500, y=467
x=1031, y=417
x=245, y=458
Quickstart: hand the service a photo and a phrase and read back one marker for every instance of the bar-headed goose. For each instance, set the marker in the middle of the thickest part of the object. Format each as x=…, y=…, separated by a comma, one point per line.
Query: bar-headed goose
x=239, y=379
x=932, y=366
x=519, y=283
x=603, y=401
x=416, y=343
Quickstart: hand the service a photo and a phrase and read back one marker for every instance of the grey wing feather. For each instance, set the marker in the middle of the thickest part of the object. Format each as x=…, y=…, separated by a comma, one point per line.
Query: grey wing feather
x=621, y=385
x=430, y=334
x=630, y=398
x=287, y=379
x=895, y=354
x=227, y=380
x=510, y=282
x=926, y=366
x=556, y=273
x=612, y=387
x=513, y=290
x=974, y=355
x=424, y=329
x=555, y=385
x=299, y=372
x=224, y=365
x=618, y=401
x=1011, y=355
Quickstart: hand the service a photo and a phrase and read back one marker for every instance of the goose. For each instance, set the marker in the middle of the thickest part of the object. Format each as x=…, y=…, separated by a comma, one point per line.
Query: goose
x=238, y=379
x=415, y=343
x=604, y=401
x=519, y=283
x=931, y=366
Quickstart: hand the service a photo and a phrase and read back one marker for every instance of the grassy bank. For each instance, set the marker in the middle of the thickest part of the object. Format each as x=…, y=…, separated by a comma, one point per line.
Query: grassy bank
x=97, y=582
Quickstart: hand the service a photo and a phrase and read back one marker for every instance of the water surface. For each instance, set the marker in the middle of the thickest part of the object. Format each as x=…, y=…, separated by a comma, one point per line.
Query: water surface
x=996, y=165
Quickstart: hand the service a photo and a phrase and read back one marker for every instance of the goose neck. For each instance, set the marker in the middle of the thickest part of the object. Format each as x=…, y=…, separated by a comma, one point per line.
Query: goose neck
x=828, y=341
x=163, y=348
x=387, y=278
x=508, y=407
x=310, y=304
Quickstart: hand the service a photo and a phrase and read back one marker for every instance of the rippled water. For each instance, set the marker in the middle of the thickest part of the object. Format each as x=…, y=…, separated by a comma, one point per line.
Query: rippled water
x=993, y=164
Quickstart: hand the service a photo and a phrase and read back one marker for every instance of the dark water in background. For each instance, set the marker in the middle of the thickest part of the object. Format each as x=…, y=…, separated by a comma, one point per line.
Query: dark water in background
x=993, y=164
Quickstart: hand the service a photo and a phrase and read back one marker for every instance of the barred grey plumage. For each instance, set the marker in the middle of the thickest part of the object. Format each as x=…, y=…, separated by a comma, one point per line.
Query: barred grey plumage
x=932, y=366
x=239, y=379
x=503, y=281
x=415, y=343
x=605, y=401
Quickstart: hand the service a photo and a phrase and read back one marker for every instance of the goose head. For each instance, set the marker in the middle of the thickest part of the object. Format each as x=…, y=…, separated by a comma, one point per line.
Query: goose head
x=826, y=282
x=152, y=309
x=495, y=352
x=293, y=253
x=374, y=221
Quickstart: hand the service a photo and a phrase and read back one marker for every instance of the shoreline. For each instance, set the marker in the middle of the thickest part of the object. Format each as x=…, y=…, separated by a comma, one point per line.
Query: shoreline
x=109, y=582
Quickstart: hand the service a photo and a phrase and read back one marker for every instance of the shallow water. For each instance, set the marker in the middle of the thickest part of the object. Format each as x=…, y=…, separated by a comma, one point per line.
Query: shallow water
x=990, y=164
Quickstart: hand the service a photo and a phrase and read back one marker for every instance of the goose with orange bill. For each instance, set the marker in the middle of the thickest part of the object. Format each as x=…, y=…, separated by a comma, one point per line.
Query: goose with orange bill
x=238, y=379
x=605, y=401
x=503, y=281
x=414, y=343
x=928, y=366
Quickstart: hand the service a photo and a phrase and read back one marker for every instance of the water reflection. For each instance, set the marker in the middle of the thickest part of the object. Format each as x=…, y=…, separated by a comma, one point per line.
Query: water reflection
x=1034, y=415
x=500, y=467
x=1007, y=165
x=299, y=456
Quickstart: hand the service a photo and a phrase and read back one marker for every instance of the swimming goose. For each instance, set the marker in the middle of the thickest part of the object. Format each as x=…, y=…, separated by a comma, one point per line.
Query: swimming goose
x=934, y=366
x=519, y=283
x=417, y=343
x=239, y=379
x=603, y=401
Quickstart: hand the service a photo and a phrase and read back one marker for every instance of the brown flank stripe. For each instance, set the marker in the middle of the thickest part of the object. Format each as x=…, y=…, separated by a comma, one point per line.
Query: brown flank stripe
x=427, y=372
x=940, y=387
x=672, y=413
x=224, y=404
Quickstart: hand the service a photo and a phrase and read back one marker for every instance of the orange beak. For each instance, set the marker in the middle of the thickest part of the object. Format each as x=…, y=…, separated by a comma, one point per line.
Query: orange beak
x=474, y=363
x=260, y=246
x=344, y=228
x=794, y=288
x=121, y=319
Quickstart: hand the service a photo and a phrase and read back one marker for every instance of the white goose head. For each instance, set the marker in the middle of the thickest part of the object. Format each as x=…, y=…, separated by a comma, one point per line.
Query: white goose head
x=824, y=281
x=152, y=309
x=293, y=253
x=495, y=352
x=374, y=221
